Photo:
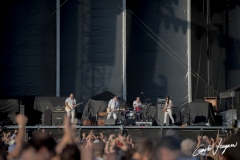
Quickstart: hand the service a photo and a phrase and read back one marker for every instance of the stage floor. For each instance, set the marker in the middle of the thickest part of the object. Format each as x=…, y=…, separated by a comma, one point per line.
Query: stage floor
x=136, y=132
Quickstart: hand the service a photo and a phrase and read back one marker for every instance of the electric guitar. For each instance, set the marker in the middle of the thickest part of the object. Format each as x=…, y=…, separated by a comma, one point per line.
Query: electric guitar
x=165, y=108
x=70, y=107
x=109, y=110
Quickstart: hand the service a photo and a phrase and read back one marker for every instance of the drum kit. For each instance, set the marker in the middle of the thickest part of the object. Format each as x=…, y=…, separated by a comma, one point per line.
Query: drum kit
x=139, y=114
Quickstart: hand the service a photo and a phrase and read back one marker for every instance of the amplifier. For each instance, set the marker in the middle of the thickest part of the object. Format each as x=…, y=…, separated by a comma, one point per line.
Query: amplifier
x=57, y=118
x=160, y=100
x=160, y=115
x=58, y=109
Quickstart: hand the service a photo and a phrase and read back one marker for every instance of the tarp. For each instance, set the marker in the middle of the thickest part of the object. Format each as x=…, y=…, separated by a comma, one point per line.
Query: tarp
x=99, y=103
x=9, y=105
x=44, y=103
x=228, y=117
x=196, y=112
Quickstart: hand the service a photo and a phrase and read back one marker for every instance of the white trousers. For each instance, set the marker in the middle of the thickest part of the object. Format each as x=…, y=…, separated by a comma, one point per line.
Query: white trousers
x=71, y=114
x=110, y=114
x=169, y=111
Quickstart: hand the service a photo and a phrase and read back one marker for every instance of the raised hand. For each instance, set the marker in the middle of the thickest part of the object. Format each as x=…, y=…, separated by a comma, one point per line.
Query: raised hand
x=111, y=137
x=21, y=119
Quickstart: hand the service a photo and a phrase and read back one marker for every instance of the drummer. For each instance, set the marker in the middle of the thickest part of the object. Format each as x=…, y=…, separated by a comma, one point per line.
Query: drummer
x=137, y=105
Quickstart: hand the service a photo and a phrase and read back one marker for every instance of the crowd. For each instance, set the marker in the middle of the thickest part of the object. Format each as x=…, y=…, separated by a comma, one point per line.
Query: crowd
x=91, y=146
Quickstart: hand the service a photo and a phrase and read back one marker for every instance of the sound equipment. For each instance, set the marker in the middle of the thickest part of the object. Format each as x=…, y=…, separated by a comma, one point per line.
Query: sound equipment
x=160, y=115
x=144, y=123
x=57, y=118
x=238, y=104
x=130, y=122
x=22, y=109
x=110, y=122
x=89, y=121
x=47, y=118
x=101, y=122
x=160, y=100
x=218, y=120
x=58, y=109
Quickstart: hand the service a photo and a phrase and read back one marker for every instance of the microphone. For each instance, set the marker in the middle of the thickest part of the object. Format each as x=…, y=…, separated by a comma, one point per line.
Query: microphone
x=83, y=97
x=141, y=92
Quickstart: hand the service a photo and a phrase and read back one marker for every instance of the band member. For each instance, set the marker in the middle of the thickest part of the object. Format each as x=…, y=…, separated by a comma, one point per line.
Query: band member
x=71, y=101
x=113, y=105
x=168, y=106
x=137, y=103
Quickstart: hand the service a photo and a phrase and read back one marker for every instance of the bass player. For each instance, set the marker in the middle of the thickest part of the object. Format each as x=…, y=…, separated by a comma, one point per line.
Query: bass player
x=71, y=104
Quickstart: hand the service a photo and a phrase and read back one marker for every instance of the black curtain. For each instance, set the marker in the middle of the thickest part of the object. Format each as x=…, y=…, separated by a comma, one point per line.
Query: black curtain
x=27, y=48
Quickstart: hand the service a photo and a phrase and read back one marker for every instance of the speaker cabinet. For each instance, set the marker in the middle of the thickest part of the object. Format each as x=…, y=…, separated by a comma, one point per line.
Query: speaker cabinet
x=57, y=118
x=47, y=118
x=238, y=105
x=130, y=122
x=160, y=115
x=110, y=122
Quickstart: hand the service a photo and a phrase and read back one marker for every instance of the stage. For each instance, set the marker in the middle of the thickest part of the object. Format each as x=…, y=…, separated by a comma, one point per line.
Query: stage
x=136, y=132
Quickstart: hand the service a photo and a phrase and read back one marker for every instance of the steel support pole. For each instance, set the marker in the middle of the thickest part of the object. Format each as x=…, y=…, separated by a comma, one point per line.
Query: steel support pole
x=124, y=60
x=57, y=48
x=189, y=51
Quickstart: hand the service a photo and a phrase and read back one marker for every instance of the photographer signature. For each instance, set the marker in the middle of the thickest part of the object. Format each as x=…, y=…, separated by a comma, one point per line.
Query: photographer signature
x=209, y=148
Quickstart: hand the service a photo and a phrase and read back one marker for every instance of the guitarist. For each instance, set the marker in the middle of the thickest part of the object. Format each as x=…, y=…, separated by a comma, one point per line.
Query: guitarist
x=71, y=102
x=113, y=105
x=168, y=110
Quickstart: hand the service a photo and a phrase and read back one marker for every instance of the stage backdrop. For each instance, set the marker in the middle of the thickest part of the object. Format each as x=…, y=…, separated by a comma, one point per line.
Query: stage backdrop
x=91, y=47
x=150, y=69
x=27, y=48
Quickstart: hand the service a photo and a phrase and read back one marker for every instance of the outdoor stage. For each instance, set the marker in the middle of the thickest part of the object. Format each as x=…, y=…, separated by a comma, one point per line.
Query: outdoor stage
x=136, y=132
